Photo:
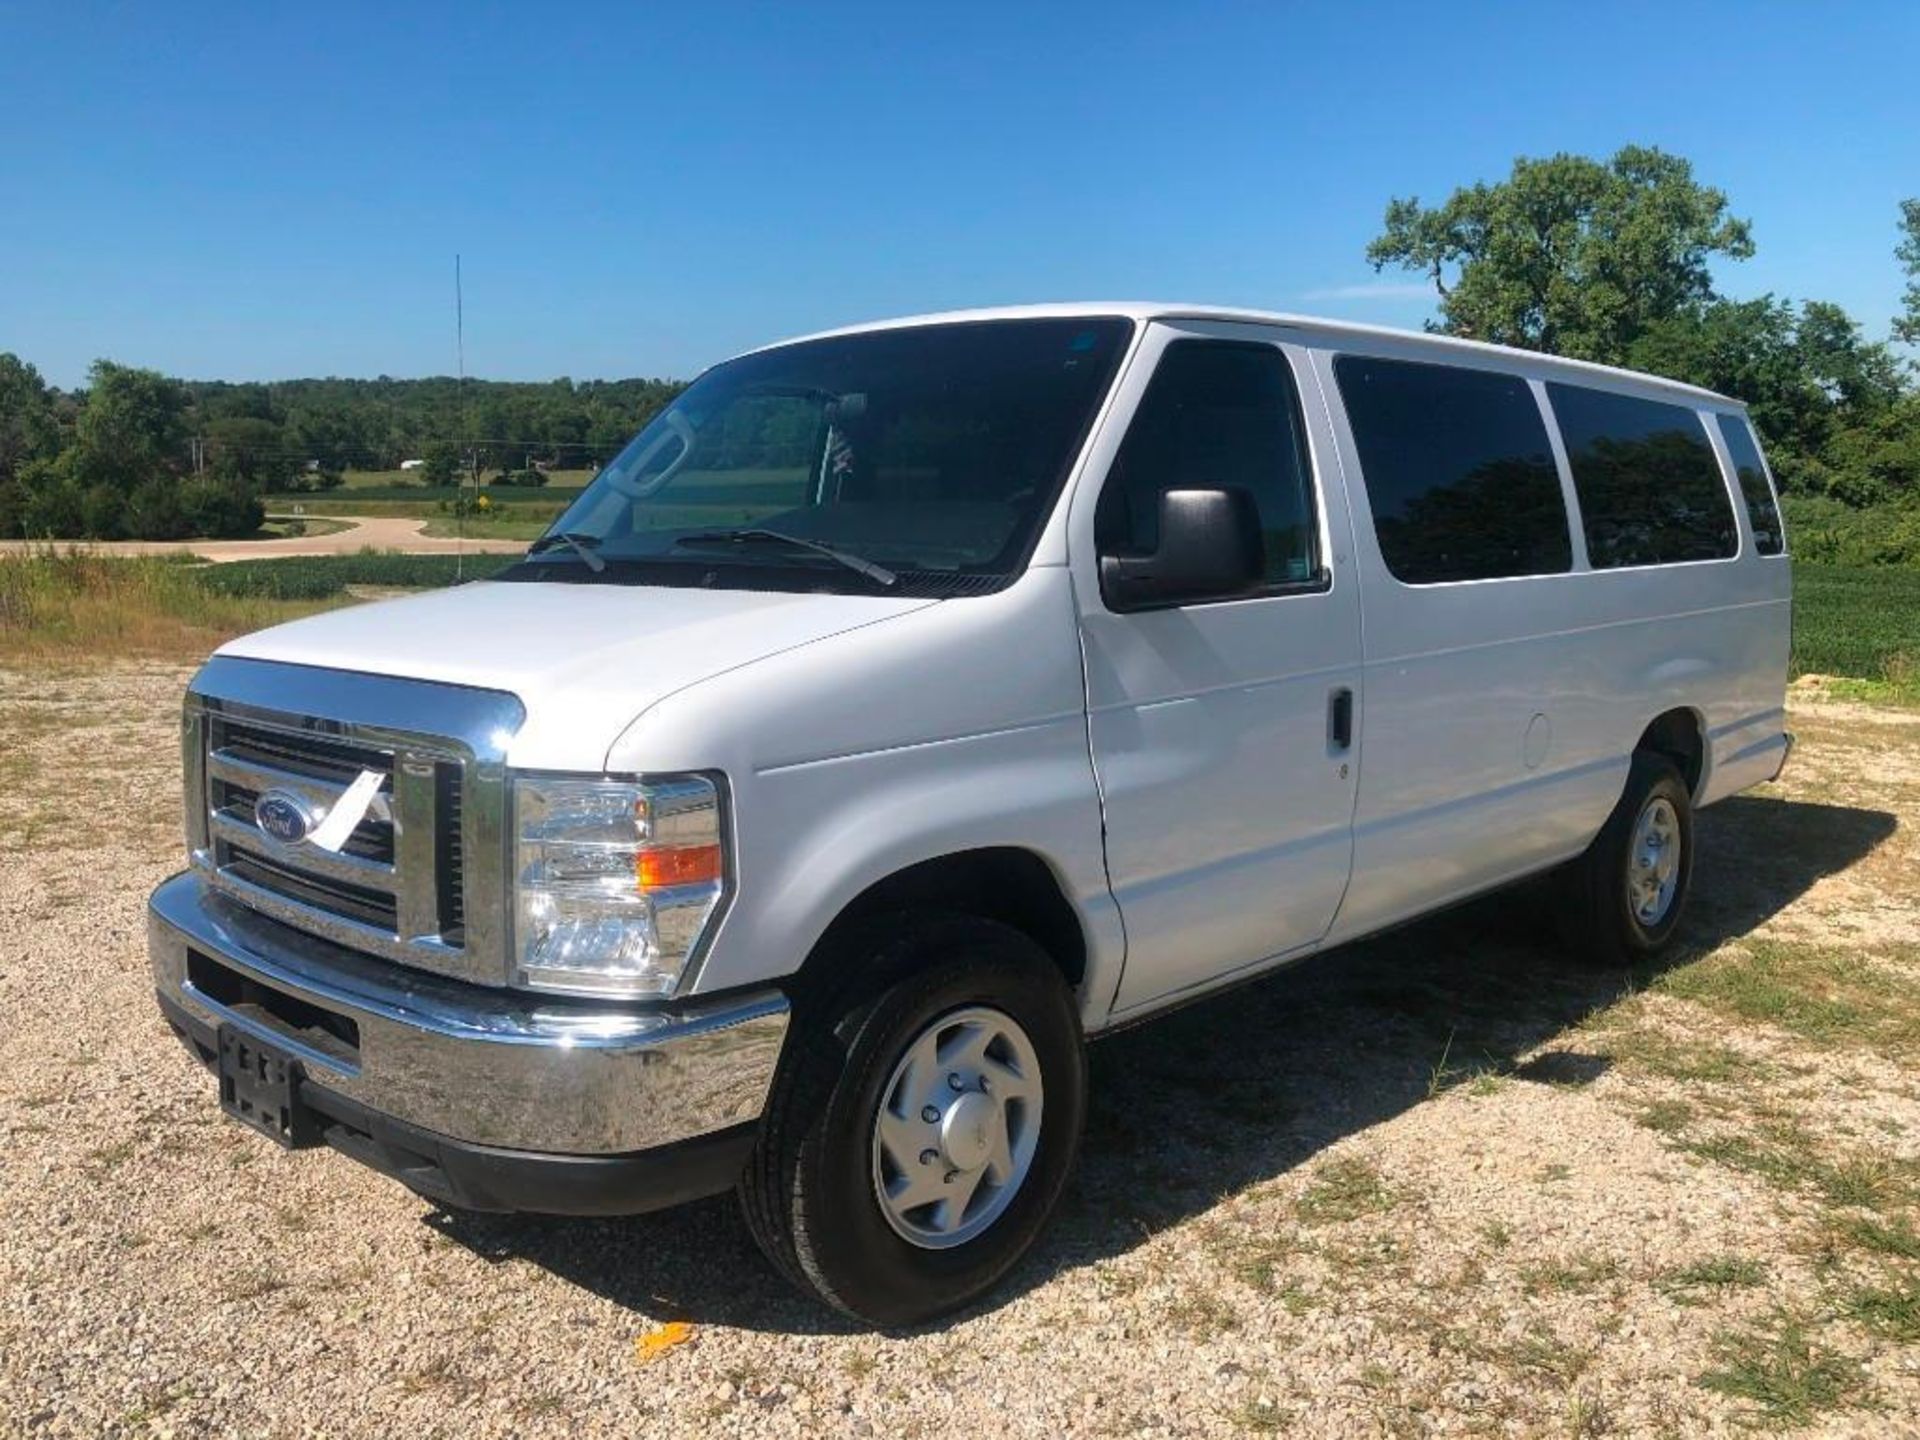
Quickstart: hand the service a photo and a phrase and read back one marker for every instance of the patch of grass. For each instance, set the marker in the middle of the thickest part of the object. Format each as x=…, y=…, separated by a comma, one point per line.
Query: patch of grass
x=1574, y=1275
x=514, y=525
x=1342, y=1190
x=1716, y=1272
x=1202, y=1315
x=1497, y=1233
x=1788, y=1158
x=1784, y=1374
x=1257, y=1261
x=1261, y=1416
x=1892, y=1310
x=1896, y=1238
x=858, y=1365
x=319, y=577
x=1671, y=1057
x=1542, y=1352
x=1666, y=1117
x=1859, y=620
x=74, y=605
x=70, y=605
x=1826, y=995
x=1587, y=1417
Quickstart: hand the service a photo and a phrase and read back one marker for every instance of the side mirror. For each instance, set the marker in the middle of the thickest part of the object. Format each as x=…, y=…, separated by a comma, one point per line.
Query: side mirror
x=1210, y=549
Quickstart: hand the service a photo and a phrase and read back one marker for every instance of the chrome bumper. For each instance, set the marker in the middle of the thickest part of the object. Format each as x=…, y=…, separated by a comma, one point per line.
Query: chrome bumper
x=479, y=1065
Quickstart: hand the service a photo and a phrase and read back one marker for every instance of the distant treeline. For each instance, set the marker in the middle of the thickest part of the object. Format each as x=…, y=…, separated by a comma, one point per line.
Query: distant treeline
x=137, y=454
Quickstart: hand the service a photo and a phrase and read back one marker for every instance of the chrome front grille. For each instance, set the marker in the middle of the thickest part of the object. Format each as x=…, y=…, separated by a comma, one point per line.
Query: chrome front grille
x=399, y=886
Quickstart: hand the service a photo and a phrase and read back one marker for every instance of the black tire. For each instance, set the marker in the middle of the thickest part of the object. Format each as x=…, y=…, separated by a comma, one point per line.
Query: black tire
x=809, y=1192
x=1597, y=919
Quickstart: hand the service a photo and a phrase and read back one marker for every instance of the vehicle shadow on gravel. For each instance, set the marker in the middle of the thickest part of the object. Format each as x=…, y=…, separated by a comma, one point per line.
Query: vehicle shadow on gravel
x=1250, y=1085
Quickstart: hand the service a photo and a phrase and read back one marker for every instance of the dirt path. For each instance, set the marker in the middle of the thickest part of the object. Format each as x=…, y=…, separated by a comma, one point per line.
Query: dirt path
x=1441, y=1183
x=378, y=532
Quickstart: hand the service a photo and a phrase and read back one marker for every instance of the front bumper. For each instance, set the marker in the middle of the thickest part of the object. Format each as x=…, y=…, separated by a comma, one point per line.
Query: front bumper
x=481, y=1097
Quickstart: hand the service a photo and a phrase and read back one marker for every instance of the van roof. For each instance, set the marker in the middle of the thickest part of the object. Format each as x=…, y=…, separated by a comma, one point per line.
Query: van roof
x=1144, y=310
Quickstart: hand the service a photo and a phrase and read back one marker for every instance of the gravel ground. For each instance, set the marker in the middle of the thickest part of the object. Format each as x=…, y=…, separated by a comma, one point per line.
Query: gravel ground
x=1436, y=1184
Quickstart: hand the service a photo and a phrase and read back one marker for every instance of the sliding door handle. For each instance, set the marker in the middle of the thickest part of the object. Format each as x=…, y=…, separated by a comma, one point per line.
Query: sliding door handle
x=1340, y=718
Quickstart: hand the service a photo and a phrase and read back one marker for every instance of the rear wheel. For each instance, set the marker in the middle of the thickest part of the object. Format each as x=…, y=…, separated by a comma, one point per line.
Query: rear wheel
x=1624, y=898
x=924, y=1120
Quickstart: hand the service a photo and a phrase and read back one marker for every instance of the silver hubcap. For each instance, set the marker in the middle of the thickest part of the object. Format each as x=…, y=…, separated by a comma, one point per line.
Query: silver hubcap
x=1653, y=862
x=958, y=1124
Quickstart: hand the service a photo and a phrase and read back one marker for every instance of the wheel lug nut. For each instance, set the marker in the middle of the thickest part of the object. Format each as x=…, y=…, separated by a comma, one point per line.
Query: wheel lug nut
x=927, y=1157
x=954, y=1082
x=931, y=1115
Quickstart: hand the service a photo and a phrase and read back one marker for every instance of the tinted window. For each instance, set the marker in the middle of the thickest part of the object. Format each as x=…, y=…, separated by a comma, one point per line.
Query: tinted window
x=1761, y=511
x=1650, y=492
x=1458, y=470
x=1217, y=414
x=935, y=451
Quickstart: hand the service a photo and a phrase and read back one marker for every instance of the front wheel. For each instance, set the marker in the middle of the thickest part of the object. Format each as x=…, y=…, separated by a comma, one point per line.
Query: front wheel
x=923, y=1123
x=1623, y=899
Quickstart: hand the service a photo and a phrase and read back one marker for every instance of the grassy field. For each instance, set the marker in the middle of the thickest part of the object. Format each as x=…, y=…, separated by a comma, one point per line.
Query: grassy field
x=410, y=479
x=1858, y=623
x=1862, y=622
x=396, y=492
x=517, y=524
x=70, y=608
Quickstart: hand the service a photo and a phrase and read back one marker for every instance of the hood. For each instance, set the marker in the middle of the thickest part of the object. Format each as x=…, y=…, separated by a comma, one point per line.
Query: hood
x=585, y=660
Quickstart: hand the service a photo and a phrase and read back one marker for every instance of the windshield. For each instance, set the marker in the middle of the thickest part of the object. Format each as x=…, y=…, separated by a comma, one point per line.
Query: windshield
x=932, y=453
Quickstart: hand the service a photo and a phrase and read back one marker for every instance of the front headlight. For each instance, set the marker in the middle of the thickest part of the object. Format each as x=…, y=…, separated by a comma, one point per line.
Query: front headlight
x=614, y=881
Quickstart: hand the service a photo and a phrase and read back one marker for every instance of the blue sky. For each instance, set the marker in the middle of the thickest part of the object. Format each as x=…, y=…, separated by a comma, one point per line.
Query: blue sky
x=260, y=191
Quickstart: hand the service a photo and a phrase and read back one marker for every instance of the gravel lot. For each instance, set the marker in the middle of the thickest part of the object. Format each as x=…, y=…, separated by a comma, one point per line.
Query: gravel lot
x=1440, y=1183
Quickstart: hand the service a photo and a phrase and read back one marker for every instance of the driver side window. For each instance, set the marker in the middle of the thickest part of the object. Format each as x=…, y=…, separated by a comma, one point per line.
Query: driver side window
x=1218, y=414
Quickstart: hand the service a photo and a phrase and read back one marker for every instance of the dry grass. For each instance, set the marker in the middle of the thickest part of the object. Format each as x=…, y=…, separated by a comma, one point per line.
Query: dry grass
x=67, y=607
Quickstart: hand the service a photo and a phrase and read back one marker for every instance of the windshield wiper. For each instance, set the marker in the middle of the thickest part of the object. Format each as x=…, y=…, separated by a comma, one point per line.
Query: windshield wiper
x=759, y=535
x=583, y=545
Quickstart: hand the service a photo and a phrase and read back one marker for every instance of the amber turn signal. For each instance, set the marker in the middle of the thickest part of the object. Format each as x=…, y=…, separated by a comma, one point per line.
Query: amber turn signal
x=659, y=868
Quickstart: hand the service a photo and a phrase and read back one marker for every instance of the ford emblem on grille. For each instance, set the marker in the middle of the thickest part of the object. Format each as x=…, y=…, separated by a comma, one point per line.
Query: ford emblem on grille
x=283, y=816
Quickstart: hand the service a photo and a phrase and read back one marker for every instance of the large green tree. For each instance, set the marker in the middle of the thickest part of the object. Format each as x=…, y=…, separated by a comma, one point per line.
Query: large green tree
x=256, y=452
x=134, y=427
x=1907, y=326
x=28, y=429
x=1568, y=254
x=1806, y=372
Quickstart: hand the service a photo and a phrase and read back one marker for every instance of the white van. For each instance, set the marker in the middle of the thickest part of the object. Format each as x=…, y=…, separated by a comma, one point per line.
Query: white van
x=908, y=704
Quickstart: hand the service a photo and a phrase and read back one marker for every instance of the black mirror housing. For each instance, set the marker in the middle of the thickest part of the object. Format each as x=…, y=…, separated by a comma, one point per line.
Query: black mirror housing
x=1210, y=549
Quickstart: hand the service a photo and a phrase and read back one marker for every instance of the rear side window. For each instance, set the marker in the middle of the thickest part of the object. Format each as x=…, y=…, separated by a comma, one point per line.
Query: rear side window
x=1762, y=513
x=1458, y=470
x=1650, y=491
x=1217, y=414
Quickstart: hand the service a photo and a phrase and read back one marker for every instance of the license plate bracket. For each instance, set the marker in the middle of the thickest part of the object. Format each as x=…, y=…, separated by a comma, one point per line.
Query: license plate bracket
x=260, y=1087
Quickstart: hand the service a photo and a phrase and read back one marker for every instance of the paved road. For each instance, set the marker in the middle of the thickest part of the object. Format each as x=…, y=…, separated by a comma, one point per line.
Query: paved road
x=379, y=532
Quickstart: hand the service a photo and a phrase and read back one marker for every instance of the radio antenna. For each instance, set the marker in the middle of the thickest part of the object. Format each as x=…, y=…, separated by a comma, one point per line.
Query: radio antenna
x=460, y=500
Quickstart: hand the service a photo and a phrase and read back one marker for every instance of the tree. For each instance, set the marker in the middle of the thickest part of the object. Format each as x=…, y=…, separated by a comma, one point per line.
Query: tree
x=1907, y=252
x=1568, y=254
x=1805, y=372
x=251, y=450
x=132, y=428
x=28, y=430
x=441, y=463
x=223, y=508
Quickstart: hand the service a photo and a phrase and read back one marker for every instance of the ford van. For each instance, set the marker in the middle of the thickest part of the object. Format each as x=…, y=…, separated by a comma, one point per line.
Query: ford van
x=907, y=705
